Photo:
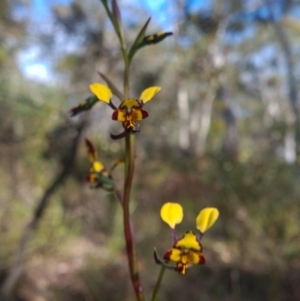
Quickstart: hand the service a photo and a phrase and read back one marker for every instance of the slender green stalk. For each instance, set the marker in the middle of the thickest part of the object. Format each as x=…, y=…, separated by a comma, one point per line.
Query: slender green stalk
x=126, y=75
x=128, y=229
x=129, y=170
x=158, y=283
x=119, y=31
x=112, y=19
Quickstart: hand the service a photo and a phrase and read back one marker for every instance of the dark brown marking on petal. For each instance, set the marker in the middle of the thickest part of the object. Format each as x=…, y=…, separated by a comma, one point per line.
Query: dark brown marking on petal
x=114, y=115
x=144, y=113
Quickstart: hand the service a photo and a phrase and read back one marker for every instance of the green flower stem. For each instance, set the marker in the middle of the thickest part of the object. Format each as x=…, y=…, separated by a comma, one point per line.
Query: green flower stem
x=126, y=75
x=129, y=170
x=119, y=31
x=158, y=283
x=112, y=19
x=128, y=229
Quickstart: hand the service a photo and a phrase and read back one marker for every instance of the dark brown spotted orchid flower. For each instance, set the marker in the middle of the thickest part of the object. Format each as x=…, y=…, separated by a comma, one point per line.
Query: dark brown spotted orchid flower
x=98, y=176
x=187, y=250
x=130, y=111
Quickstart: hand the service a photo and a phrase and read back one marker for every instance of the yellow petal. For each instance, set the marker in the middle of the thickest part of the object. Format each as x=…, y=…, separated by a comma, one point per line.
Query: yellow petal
x=188, y=241
x=119, y=115
x=130, y=103
x=97, y=166
x=173, y=255
x=195, y=257
x=101, y=91
x=206, y=218
x=149, y=93
x=171, y=213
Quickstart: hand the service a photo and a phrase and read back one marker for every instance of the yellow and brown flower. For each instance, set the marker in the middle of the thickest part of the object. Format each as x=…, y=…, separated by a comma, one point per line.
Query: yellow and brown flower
x=187, y=250
x=130, y=111
x=97, y=176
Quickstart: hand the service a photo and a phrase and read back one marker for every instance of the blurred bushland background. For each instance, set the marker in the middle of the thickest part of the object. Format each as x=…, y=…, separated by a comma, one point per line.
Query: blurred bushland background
x=224, y=132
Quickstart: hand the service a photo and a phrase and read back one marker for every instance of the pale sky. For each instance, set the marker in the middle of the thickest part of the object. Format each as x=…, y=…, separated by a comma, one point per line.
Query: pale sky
x=31, y=61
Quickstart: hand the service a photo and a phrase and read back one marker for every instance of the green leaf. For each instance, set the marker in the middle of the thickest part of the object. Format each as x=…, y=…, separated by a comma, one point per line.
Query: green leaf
x=138, y=41
x=84, y=106
x=155, y=38
x=103, y=180
x=106, y=180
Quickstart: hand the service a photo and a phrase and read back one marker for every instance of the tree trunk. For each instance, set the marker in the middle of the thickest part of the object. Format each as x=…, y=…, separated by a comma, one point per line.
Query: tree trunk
x=184, y=117
x=292, y=139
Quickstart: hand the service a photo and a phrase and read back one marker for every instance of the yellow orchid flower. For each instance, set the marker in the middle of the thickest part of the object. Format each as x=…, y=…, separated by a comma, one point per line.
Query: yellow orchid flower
x=129, y=111
x=186, y=250
x=97, y=176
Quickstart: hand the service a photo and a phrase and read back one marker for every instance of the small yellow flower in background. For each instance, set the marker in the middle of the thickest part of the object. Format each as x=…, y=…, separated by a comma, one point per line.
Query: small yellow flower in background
x=186, y=250
x=87, y=104
x=129, y=111
x=97, y=176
